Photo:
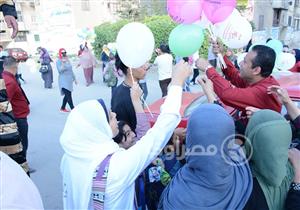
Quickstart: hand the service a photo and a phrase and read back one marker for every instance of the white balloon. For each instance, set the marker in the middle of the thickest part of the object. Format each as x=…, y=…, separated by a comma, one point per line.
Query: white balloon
x=240, y=58
x=235, y=31
x=285, y=61
x=135, y=44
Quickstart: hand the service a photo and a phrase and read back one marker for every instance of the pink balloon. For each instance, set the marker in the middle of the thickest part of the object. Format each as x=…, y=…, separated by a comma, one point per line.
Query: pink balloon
x=218, y=10
x=184, y=11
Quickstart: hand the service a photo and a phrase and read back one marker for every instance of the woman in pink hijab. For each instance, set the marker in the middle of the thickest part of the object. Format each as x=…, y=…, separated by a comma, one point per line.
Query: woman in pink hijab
x=87, y=62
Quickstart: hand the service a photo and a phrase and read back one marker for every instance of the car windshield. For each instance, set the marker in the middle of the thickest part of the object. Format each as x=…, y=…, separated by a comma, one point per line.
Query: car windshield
x=201, y=100
x=16, y=50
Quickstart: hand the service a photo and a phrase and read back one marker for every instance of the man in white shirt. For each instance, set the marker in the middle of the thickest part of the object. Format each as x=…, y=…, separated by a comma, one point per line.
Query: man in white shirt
x=195, y=57
x=164, y=62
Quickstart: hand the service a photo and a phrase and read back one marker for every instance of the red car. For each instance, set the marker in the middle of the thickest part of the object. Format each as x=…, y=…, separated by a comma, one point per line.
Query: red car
x=18, y=53
x=190, y=101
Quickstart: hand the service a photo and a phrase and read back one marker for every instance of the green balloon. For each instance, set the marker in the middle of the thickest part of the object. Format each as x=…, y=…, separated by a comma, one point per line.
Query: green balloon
x=185, y=40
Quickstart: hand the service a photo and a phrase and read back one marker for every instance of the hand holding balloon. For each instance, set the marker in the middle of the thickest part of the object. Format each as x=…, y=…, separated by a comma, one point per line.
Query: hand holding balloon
x=181, y=72
x=135, y=44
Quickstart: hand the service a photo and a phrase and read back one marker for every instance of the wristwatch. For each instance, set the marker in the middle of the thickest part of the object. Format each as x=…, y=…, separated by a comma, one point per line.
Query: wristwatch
x=295, y=186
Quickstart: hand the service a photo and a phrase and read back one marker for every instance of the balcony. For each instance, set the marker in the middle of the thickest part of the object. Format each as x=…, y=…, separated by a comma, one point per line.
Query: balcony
x=31, y=3
x=23, y=27
x=26, y=1
x=5, y=36
x=281, y=4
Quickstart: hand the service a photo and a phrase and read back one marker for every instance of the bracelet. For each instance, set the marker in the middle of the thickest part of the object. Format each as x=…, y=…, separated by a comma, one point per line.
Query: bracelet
x=295, y=186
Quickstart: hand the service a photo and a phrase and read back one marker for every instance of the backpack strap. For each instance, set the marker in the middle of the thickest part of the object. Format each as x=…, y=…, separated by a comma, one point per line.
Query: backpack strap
x=101, y=102
x=99, y=183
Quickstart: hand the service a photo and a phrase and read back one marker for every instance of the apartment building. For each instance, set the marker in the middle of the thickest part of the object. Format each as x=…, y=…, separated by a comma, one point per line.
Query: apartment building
x=56, y=23
x=28, y=26
x=278, y=19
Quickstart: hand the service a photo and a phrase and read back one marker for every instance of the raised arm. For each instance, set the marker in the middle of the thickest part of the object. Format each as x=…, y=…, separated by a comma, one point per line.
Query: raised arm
x=142, y=123
x=138, y=157
x=282, y=94
x=231, y=73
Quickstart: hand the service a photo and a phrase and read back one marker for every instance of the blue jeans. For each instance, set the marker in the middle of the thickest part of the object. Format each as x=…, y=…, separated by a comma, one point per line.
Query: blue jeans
x=145, y=90
x=186, y=87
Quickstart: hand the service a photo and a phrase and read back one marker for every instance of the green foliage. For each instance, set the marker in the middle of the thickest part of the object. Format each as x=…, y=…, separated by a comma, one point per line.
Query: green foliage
x=252, y=25
x=137, y=10
x=106, y=33
x=129, y=9
x=203, y=51
x=241, y=4
x=161, y=27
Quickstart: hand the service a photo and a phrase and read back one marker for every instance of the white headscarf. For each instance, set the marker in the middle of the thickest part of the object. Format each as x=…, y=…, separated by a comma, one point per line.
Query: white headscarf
x=17, y=191
x=86, y=140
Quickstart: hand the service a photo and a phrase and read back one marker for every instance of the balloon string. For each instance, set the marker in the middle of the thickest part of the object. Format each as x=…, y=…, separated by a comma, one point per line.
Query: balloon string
x=144, y=102
x=133, y=81
x=220, y=58
x=147, y=107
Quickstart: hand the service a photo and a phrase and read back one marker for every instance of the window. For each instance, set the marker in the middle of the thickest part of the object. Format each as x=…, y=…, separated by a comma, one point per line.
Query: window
x=85, y=5
x=261, y=23
x=33, y=19
x=2, y=26
x=36, y=37
x=112, y=6
x=297, y=23
x=297, y=3
x=276, y=17
x=195, y=104
x=21, y=37
x=290, y=21
x=20, y=16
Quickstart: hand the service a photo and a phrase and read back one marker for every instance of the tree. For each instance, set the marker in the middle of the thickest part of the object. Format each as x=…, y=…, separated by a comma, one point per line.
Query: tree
x=129, y=9
x=153, y=7
x=242, y=4
x=139, y=9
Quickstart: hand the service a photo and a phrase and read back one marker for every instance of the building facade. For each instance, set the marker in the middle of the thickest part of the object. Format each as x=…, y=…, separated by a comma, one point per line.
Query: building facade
x=55, y=24
x=277, y=19
x=28, y=26
x=69, y=23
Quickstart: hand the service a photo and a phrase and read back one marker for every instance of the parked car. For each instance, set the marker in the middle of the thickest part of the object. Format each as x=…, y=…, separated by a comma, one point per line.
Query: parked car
x=190, y=101
x=18, y=53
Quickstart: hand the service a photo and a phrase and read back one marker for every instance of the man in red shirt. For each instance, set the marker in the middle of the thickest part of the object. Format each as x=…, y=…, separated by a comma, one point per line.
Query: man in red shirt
x=247, y=87
x=17, y=98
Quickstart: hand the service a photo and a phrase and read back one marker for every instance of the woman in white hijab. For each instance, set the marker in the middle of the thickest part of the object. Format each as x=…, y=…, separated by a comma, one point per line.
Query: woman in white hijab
x=87, y=141
x=17, y=191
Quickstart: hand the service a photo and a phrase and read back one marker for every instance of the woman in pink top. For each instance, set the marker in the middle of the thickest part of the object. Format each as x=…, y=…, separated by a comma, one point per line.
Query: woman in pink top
x=87, y=62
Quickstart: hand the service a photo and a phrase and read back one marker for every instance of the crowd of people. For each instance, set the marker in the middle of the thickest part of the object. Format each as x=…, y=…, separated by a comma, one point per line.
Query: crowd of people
x=114, y=159
x=269, y=179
